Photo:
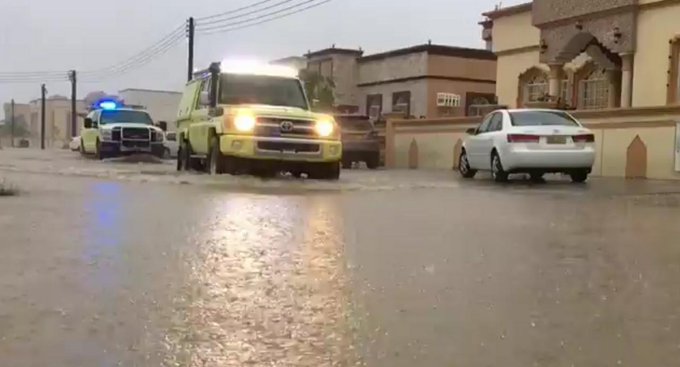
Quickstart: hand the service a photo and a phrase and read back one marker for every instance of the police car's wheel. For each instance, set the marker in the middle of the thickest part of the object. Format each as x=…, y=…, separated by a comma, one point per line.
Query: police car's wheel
x=98, y=150
x=215, y=164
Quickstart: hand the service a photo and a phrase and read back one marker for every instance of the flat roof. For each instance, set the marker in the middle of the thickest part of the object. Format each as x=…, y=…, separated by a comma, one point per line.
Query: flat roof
x=510, y=10
x=291, y=58
x=453, y=51
x=148, y=90
x=335, y=50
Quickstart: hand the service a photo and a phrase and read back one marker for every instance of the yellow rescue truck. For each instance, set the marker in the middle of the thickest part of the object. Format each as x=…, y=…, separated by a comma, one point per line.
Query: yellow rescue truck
x=254, y=118
x=112, y=131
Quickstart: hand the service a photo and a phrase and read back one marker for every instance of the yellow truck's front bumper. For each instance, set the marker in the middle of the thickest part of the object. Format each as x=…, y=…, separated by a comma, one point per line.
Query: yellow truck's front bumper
x=283, y=149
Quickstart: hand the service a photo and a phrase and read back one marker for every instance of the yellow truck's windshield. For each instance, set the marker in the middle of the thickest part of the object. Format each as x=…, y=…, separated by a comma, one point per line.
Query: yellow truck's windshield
x=262, y=89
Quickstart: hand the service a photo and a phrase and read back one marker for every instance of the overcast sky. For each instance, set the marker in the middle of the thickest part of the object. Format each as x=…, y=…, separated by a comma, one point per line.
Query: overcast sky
x=88, y=35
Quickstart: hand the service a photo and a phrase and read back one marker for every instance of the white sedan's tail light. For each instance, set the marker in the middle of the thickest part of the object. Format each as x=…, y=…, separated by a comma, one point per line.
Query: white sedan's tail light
x=585, y=138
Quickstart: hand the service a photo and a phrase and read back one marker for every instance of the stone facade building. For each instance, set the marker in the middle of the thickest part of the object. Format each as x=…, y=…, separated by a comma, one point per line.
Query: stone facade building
x=587, y=54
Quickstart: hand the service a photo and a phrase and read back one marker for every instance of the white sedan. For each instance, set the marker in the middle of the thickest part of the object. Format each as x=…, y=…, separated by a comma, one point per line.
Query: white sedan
x=171, y=144
x=533, y=141
x=74, y=145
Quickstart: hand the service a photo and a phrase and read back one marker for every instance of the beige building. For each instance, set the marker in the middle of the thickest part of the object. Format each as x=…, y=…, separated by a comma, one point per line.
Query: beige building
x=295, y=62
x=587, y=54
x=162, y=105
x=420, y=81
x=57, y=120
x=615, y=62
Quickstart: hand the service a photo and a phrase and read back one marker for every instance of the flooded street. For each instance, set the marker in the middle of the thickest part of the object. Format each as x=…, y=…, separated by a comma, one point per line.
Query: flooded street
x=131, y=264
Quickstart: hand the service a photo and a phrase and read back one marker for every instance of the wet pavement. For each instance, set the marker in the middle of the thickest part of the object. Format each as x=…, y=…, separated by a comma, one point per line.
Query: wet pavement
x=130, y=264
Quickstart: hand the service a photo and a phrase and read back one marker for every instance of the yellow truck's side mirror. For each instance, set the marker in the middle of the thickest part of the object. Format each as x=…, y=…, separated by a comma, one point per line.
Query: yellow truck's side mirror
x=204, y=99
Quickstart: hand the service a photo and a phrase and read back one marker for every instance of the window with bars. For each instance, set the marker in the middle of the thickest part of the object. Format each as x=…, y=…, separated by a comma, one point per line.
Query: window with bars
x=593, y=91
x=565, y=95
x=401, y=102
x=535, y=91
x=374, y=106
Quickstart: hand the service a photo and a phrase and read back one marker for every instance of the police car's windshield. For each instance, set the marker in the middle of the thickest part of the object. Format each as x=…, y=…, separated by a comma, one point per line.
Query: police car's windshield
x=262, y=89
x=125, y=116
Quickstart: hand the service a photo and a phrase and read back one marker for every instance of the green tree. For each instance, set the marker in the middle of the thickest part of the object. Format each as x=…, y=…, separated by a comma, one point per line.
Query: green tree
x=320, y=90
x=20, y=128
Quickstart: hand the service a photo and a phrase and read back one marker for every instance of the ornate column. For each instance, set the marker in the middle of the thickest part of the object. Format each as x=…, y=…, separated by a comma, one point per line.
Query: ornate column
x=626, y=80
x=555, y=81
x=614, y=92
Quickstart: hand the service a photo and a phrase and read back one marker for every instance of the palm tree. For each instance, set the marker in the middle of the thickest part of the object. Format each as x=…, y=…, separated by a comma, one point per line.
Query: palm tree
x=320, y=90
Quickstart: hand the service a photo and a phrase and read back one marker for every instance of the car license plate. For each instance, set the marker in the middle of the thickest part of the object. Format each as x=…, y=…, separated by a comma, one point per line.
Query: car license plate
x=556, y=139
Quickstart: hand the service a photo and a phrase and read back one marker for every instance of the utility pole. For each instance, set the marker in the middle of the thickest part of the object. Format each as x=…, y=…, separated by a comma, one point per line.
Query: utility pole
x=43, y=92
x=11, y=121
x=72, y=78
x=190, y=33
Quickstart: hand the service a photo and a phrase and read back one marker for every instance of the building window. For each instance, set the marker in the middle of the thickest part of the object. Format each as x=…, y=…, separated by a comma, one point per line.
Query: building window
x=374, y=106
x=448, y=100
x=594, y=91
x=401, y=102
x=536, y=89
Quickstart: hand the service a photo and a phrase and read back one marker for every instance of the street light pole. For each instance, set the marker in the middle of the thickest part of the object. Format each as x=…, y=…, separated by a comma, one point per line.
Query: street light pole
x=11, y=121
x=72, y=77
x=43, y=92
x=190, y=33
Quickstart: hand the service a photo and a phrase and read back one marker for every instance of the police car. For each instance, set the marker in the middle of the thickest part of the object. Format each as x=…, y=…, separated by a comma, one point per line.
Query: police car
x=113, y=130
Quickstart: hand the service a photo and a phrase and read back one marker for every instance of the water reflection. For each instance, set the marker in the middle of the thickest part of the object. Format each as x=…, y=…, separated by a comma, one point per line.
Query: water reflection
x=266, y=287
x=103, y=233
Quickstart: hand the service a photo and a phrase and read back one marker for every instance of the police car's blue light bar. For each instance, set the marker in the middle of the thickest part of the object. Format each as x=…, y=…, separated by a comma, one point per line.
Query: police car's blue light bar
x=108, y=105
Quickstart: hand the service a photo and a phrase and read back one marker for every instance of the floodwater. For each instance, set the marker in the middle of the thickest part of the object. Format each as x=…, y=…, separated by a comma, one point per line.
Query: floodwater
x=131, y=264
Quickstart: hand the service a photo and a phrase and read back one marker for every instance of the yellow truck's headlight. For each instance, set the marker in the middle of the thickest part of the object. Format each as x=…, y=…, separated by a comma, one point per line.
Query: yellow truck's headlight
x=244, y=122
x=324, y=128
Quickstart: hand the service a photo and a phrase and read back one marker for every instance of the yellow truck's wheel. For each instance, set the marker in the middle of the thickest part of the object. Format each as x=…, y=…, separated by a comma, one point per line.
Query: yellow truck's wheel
x=325, y=171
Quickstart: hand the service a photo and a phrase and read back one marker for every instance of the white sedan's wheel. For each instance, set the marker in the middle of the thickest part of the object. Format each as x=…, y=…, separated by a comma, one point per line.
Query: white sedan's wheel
x=497, y=171
x=464, y=166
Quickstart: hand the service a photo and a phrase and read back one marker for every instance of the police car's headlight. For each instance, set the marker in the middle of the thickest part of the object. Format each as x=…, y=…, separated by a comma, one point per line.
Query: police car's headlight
x=244, y=122
x=107, y=134
x=158, y=135
x=324, y=127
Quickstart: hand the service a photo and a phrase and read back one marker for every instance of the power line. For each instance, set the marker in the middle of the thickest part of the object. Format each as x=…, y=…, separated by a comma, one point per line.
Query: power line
x=259, y=20
x=175, y=35
x=217, y=21
x=171, y=39
x=228, y=12
x=139, y=59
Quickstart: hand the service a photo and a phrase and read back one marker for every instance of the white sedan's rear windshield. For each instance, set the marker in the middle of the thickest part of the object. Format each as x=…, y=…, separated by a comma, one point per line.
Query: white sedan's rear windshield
x=541, y=118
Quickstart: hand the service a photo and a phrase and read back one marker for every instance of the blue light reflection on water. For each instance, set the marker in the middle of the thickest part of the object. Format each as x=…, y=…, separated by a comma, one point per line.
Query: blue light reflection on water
x=103, y=234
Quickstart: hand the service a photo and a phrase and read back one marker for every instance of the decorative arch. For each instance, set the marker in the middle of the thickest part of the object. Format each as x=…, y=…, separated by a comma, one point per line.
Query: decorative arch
x=413, y=155
x=531, y=84
x=576, y=45
x=636, y=159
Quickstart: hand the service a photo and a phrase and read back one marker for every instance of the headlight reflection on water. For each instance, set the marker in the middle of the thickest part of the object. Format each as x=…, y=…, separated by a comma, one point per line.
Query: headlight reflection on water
x=269, y=285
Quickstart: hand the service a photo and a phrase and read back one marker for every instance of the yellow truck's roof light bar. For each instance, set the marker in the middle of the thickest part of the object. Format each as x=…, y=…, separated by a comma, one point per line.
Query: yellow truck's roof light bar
x=248, y=67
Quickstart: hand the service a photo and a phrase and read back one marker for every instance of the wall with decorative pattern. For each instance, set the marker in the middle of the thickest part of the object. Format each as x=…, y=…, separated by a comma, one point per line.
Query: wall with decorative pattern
x=631, y=143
